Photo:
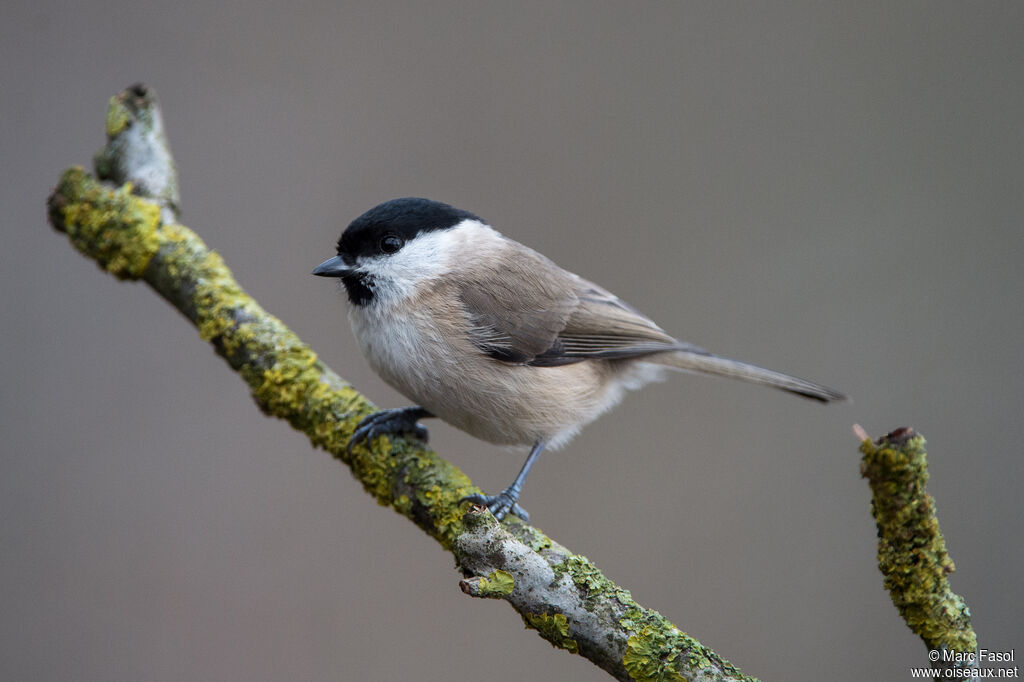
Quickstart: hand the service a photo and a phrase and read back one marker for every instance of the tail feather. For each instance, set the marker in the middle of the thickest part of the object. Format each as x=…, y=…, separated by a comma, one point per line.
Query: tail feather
x=706, y=363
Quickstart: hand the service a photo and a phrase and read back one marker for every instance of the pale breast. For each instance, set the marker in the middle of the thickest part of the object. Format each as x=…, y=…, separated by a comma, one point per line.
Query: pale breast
x=421, y=348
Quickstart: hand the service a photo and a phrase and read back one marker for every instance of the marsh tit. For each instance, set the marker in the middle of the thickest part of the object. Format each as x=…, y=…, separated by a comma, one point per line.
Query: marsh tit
x=495, y=339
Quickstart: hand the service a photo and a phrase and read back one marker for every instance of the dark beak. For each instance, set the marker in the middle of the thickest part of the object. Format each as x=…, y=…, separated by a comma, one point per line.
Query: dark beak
x=332, y=267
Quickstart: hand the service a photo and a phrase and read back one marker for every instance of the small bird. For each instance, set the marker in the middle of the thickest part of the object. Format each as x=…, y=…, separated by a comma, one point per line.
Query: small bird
x=497, y=340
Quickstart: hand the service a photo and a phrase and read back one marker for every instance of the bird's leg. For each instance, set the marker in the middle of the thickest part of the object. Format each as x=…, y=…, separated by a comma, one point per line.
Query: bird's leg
x=386, y=422
x=507, y=501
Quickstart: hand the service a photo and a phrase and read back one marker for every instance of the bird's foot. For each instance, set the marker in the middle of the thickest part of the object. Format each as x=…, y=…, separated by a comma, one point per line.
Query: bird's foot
x=401, y=420
x=505, y=502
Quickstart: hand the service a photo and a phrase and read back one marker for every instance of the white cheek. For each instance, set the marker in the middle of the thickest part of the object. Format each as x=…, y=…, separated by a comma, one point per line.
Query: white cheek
x=427, y=257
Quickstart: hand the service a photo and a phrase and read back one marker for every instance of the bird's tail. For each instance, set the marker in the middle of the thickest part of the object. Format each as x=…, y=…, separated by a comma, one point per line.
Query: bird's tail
x=702, y=362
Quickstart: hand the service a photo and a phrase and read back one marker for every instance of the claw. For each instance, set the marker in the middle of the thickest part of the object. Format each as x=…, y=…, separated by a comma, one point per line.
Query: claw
x=502, y=504
x=388, y=422
x=507, y=501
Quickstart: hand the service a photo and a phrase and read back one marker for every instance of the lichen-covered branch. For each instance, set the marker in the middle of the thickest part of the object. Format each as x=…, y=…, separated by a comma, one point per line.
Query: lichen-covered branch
x=137, y=149
x=912, y=553
x=572, y=605
x=125, y=219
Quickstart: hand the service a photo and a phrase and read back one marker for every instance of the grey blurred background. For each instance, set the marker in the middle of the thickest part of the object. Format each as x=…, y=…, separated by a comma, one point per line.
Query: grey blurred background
x=833, y=190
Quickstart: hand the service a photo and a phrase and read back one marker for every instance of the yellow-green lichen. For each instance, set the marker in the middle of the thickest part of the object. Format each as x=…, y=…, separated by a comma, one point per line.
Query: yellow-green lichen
x=497, y=584
x=440, y=488
x=118, y=116
x=648, y=658
x=587, y=575
x=215, y=298
x=592, y=584
x=912, y=553
x=532, y=537
x=376, y=469
x=658, y=651
x=403, y=504
x=554, y=628
x=115, y=228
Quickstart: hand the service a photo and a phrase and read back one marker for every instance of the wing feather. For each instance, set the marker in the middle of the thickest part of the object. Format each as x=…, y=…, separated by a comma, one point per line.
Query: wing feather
x=528, y=311
x=519, y=317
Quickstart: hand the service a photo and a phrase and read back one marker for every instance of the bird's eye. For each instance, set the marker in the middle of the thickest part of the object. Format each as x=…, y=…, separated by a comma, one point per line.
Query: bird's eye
x=391, y=244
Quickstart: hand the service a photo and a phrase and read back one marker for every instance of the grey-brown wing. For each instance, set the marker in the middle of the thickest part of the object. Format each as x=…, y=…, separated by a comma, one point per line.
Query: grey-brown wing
x=604, y=326
x=555, y=319
x=514, y=315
